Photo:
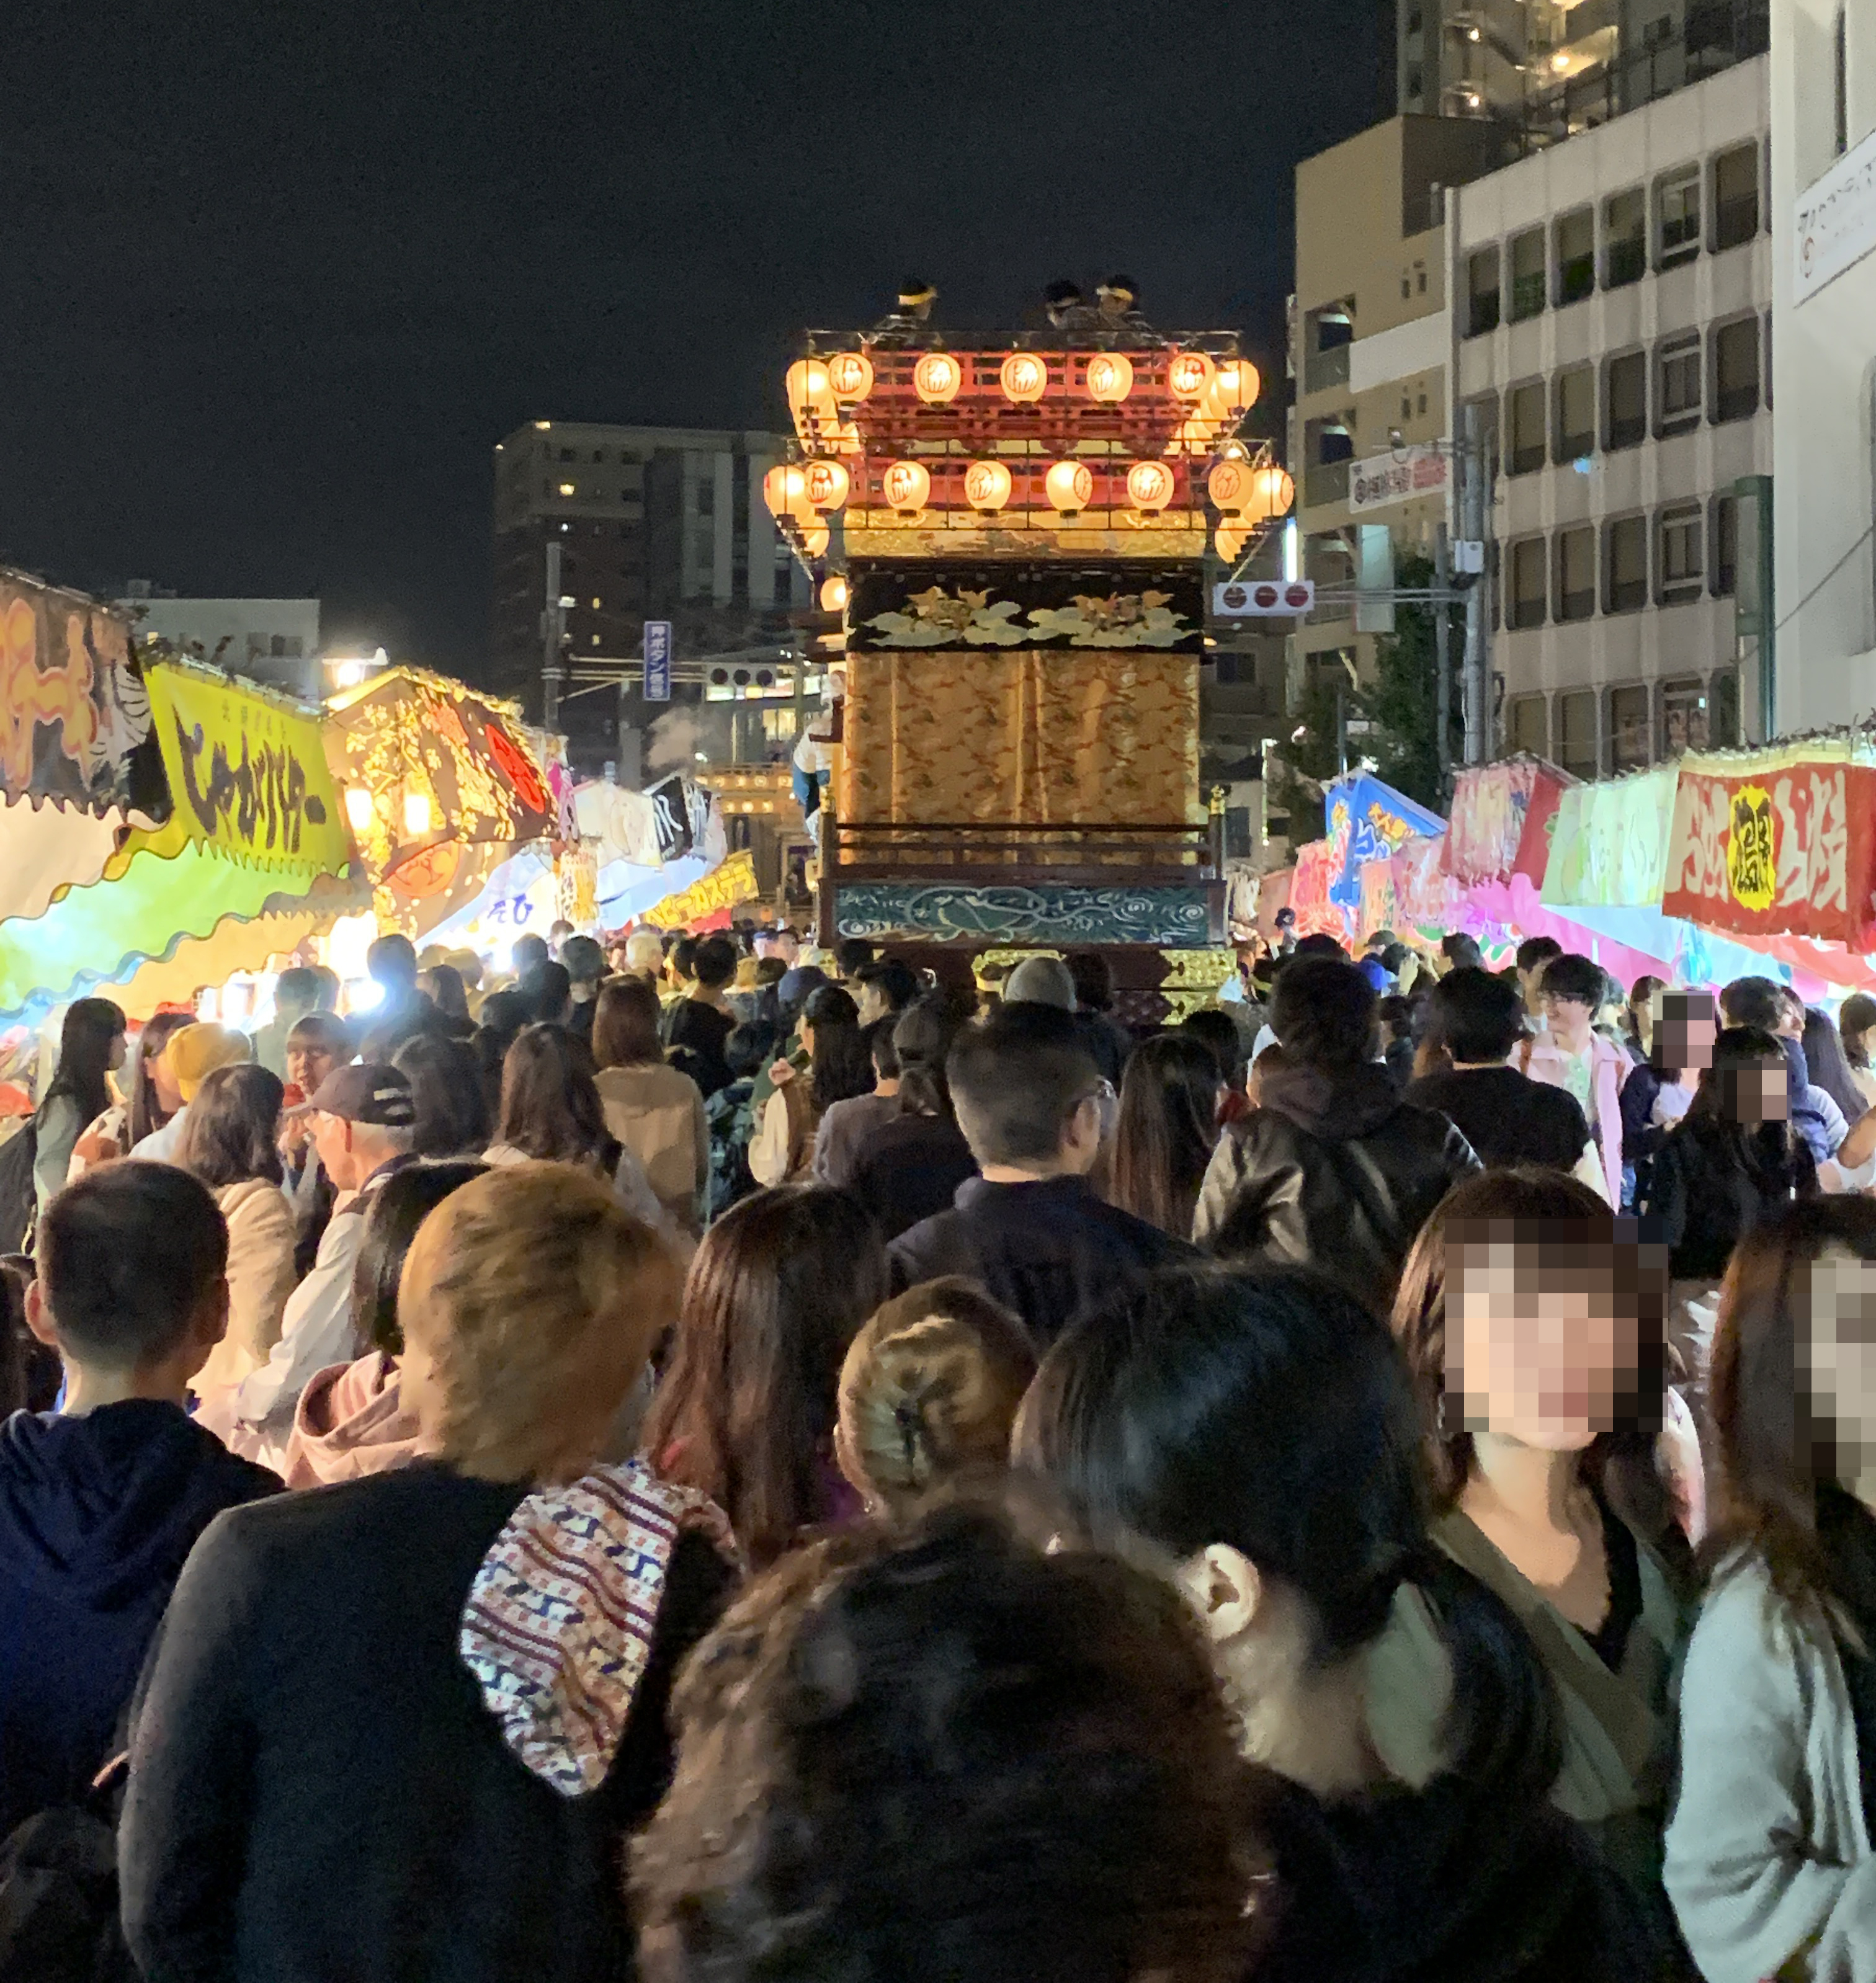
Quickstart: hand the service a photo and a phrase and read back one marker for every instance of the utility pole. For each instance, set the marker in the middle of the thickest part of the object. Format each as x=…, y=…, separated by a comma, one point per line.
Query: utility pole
x=1474, y=499
x=552, y=637
x=1442, y=661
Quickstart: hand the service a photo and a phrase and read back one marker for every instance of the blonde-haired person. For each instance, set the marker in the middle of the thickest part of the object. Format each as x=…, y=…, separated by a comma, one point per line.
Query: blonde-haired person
x=348, y=1674
x=929, y=1392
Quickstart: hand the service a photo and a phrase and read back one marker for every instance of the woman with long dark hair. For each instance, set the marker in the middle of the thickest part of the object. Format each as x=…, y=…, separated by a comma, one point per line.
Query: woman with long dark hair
x=910, y=1167
x=1770, y=1864
x=782, y=1150
x=1856, y=1020
x=1167, y=1131
x=1258, y=1428
x=745, y=1411
x=1533, y=1333
x=92, y=1045
x=446, y=1092
x=655, y=1110
x=1827, y=1066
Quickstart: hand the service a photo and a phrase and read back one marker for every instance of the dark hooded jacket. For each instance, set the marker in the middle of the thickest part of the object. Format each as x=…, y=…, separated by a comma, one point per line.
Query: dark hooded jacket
x=1332, y=1168
x=97, y=1515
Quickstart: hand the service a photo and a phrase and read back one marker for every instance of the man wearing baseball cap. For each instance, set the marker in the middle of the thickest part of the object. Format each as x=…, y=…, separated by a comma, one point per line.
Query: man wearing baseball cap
x=362, y=1118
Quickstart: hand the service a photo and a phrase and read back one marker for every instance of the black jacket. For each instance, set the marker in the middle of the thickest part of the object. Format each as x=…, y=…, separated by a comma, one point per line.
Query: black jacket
x=1048, y=1249
x=1710, y=1184
x=1506, y=1116
x=909, y=1169
x=1332, y=1169
x=317, y=1789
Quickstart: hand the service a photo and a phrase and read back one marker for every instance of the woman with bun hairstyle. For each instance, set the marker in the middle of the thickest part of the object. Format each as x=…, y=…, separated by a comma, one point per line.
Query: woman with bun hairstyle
x=1257, y=1431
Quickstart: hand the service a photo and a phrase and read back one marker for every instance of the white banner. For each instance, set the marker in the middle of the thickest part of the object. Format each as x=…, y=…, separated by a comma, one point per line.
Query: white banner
x=1424, y=469
x=1836, y=220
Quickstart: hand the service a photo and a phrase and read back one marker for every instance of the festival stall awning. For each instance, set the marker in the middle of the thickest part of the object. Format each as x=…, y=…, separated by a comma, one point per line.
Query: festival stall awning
x=1502, y=816
x=1367, y=820
x=1609, y=848
x=733, y=881
x=440, y=787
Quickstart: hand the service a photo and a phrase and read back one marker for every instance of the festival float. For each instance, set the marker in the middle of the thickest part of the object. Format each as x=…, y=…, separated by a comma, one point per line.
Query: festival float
x=1017, y=534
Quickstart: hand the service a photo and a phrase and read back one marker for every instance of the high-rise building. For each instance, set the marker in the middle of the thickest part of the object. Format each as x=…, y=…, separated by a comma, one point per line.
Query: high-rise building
x=652, y=523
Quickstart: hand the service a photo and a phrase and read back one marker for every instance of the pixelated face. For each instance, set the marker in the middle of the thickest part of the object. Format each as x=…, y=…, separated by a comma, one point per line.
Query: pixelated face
x=1751, y=1095
x=1543, y=1342
x=1838, y=1364
x=1686, y=1025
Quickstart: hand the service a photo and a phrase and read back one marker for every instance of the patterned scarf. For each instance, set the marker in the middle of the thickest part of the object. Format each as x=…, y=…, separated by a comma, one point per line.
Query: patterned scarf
x=557, y=1628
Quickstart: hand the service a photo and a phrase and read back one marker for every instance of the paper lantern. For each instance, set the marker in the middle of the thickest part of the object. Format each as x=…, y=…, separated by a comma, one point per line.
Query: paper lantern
x=1189, y=373
x=936, y=378
x=1110, y=377
x=1149, y=485
x=834, y=594
x=1231, y=542
x=850, y=375
x=784, y=490
x=1271, y=494
x=814, y=542
x=908, y=485
x=1025, y=377
x=1235, y=385
x=1069, y=486
x=827, y=484
x=1228, y=484
x=810, y=395
x=986, y=485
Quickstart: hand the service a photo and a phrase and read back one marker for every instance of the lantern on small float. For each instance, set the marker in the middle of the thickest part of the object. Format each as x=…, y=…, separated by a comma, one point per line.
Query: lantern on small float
x=1189, y=373
x=1023, y=377
x=849, y=376
x=1228, y=484
x=936, y=378
x=906, y=484
x=1235, y=385
x=1149, y=485
x=1110, y=377
x=814, y=541
x=987, y=485
x=834, y=594
x=1231, y=542
x=1271, y=494
x=784, y=490
x=811, y=396
x=1069, y=486
x=826, y=483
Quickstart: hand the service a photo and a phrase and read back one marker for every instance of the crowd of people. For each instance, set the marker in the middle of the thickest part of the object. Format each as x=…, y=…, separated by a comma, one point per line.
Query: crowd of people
x=710, y=1460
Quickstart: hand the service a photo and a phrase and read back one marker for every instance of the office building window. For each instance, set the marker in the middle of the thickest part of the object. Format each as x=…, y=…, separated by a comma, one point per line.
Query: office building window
x=1684, y=717
x=1576, y=413
x=1576, y=733
x=1576, y=255
x=1723, y=728
x=1529, y=727
x=1526, y=605
x=1677, y=384
x=1527, y=275
x=1629, y=728
x=1725, y=570
x=1576, y=572
x=1625, y=564
x=1679, y=564
x=1626, y=423
x=1677, y=208
x=1625, y=238
x=1735, y=196
x=1524, y=422
x=1736, y=369
x=1482, y=289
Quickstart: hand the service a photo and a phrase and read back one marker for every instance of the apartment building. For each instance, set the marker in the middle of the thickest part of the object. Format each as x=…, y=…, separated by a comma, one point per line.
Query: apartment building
x=1612, y=322
x=273, y=641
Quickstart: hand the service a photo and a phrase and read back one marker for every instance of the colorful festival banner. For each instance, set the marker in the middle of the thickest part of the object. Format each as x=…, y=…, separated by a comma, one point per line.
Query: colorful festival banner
x=1777, y=842
x=1608, y=845
x=1425, y=895
x=1308, y=892
x=1497, y=809
x=1367, y=820
x=722, y=888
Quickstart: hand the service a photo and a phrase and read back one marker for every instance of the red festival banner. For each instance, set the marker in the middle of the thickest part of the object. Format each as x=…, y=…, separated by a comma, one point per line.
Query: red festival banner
x=1779, y=842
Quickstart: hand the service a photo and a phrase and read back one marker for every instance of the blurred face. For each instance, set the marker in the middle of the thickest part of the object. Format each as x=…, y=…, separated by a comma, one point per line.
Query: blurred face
x=1684, y=1029
x=1838, y=1364
x=309, y=1061
x=1753, y=1094
x=1546, y=1334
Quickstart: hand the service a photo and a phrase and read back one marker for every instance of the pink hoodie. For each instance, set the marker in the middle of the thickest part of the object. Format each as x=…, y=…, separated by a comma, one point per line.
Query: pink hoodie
x=350, y=1422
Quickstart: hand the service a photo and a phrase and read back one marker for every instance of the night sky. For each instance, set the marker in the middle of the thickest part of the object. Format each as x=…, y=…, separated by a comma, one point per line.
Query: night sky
x=275, y=278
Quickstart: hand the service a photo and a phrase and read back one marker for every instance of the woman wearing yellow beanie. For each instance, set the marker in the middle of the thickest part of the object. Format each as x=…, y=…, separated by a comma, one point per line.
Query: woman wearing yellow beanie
x=193, y=1055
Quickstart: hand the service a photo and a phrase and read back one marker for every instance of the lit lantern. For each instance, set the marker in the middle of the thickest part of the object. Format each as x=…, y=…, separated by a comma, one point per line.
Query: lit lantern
x=784, y=490
x=810, y=394
x=827, y=484
x=416, y=814
x=1235, y=385
x=834, y=594
x=908, y=485
x=1110, y=377
x=1025, y=377
x=986, y=485
x=936, y=378
x=359, y=808
x=850, y=375
x=1190, y=373
x=1272, y=493
x=814, y=542
x=1149, y=485
x=1069, y=486
x=1228, y=484
x=1231, y=542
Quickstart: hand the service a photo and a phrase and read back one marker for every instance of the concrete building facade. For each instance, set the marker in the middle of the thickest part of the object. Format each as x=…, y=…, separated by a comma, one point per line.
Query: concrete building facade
x=275, y=642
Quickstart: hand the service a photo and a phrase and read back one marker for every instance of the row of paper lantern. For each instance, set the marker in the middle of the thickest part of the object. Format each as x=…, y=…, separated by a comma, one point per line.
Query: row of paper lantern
x=807, y=490
x=818, y=387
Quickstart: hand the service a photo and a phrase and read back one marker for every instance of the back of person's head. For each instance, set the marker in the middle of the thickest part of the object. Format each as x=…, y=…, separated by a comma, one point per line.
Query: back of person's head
x=1166, y=1131
x=1535, y=951
x=751, y=1047
x=1040, y=980
x=447, y=992
x=842, y=1067
x=132, y=1258
x=880, y=1049
x=682, y=957
x=399, y=1206
x=551, y=1108
x=1016, y=1079
x=448, y=1094
x=548, y=993
x=779, y=1287
x=929, y=1392
x=1267, y=1412
x=713, y=963
x=1758, y=1002
x=505, y=1013
x=625, y=1025
x=851, y=955
x=644, y=953
x=583, y=960
x=1219, y=1031
x=528, y=951
x=891, y=979
x=232, y=1132
x=392, y=962
x=1575, y=980
x=1092, y=977
x=1827, y=1066
x=529, y=1301
x=770, y=972
x=295, y=991
x=921, y=1040
x=1319, y=943
x=1322, y=1012
x=1792, y=1404
x=1476, y=1017
x=88, y=1040
x=950, y=1755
